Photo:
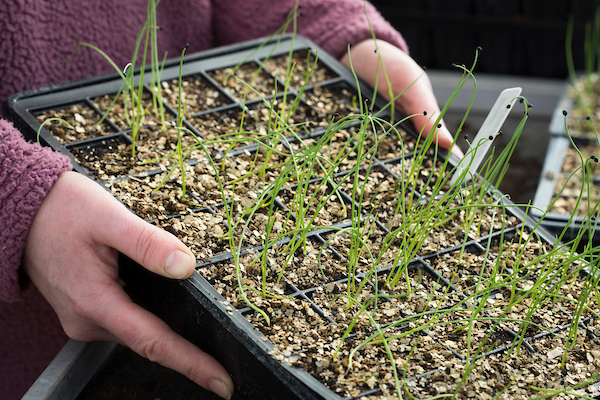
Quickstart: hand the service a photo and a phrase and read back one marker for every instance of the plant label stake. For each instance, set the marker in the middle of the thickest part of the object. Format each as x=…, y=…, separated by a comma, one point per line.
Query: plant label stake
x=479, y=147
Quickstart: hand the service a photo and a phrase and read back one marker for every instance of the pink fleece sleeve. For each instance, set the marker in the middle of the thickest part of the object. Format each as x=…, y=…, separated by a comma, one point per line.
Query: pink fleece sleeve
x=27, y=172
x=332, y=24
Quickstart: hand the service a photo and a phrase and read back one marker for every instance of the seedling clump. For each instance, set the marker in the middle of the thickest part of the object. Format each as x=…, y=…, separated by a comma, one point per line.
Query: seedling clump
x=336, y=232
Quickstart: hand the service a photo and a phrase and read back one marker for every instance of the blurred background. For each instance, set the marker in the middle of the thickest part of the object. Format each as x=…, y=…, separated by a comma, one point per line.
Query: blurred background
x=519, y=37
x=523, y=45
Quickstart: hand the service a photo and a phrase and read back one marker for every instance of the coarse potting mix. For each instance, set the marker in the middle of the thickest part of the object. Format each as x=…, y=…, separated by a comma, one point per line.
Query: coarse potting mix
x=330, y=245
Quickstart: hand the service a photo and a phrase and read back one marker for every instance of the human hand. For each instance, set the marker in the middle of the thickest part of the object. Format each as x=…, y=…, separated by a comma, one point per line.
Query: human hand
x=402, y=71
x=71, y=256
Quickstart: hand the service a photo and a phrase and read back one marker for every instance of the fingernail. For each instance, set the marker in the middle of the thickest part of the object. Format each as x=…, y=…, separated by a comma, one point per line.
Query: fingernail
x=219, y=388
x=178, y=264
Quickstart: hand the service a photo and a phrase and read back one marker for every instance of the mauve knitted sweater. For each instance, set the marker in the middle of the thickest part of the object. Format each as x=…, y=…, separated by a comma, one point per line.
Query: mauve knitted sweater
x=35, y=37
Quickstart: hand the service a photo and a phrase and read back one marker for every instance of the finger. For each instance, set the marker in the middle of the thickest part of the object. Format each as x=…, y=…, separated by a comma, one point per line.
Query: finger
x=155, y=249
x=150, y=337
x=405, y=76
x=427, y=124
x=419, y=101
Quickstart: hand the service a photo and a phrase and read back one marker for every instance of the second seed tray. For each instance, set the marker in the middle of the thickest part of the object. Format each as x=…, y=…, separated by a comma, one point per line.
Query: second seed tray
x=561, y=184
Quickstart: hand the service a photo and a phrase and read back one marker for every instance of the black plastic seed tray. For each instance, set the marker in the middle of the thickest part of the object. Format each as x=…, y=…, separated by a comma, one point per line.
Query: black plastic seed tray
x=238, y=345
x=561, y=161
x=203, y=319
x=197, y=308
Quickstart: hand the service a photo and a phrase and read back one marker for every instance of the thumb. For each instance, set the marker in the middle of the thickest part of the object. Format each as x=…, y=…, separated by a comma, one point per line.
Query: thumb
x=155, y=249
x=427, y=125
x=420, y=102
